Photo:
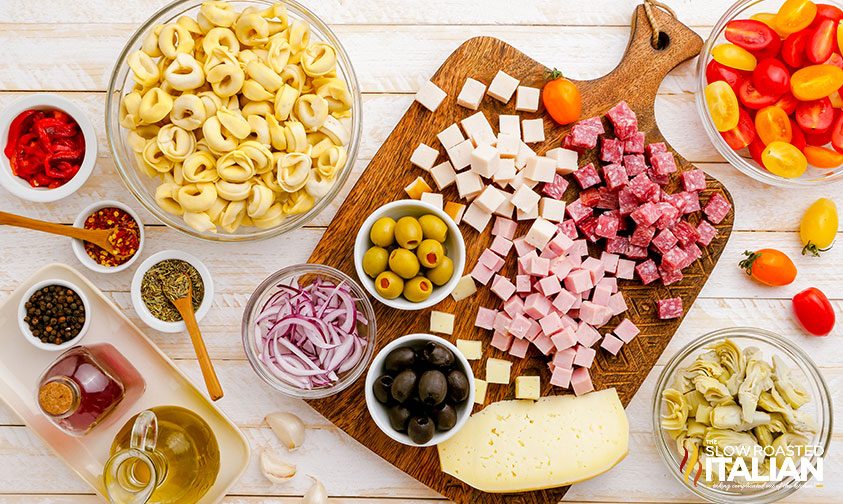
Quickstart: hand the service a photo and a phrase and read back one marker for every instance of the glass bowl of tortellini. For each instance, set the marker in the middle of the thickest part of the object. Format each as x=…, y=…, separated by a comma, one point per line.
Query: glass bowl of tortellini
x=741, y=415
x=234, y=121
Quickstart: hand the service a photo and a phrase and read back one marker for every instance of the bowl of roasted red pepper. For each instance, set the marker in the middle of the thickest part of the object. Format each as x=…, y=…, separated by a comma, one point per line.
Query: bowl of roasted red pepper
x=770, y=78
x=49, y=148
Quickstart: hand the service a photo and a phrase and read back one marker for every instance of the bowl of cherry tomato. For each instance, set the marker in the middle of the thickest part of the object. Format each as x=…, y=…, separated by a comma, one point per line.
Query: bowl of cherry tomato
x=770, y=77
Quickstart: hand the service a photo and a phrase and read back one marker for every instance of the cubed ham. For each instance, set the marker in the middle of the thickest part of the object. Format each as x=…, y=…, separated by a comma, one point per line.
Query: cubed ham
x=610, y=261
x=663, y=163
x=550, y=286
x=670, y=308
x=561, y=377
x=634, y=144
x=491, y=260
x=534, y=330
x=616, y=176
x=610, y=282
x=580, y=248
x=523, y=284
x=717, y=208
x=537, y=306
x=543, y=343
x=485, y=318
x=564, y=358
x=578, y=281
x=595, y=267
x=647, y=271
x=664, y=241
x=611, y=150
x=693, y=180
x=594, y=314
x=626, y=269
x=626, y=330
x=502, y=322
x=513, y=306
x=561, y=243
x=522, y=248
x=587, y=176
x=519, y=326
x=706, y=232
x=585, y=356
x=561, y=266
x=617, y=304
x=581, y=381
x=501, y=341
x=525, y=260
x=481, y=273
x=586, y=334
x=557, y=188
x=519, y=348
x=564, y=339
x=502, y=287
x=564, y=301
x=601, y=294
x=501, y=246
x=551, y=323
x=611, y=344
x=539, y=266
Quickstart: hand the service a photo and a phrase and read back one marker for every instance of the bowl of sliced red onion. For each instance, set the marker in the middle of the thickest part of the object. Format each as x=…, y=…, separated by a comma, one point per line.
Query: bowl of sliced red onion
x=309, y=331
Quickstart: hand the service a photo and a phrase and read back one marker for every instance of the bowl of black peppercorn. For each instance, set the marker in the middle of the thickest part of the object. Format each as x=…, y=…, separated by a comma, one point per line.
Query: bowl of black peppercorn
x=54, y=315
x=420, y=390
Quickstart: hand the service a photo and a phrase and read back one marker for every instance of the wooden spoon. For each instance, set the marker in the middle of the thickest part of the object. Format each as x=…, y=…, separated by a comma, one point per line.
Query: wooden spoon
x=179, y=291
x=99, y=237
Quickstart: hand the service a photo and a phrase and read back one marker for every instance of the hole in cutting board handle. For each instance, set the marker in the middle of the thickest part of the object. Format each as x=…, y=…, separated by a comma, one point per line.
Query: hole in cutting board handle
x=662, y=42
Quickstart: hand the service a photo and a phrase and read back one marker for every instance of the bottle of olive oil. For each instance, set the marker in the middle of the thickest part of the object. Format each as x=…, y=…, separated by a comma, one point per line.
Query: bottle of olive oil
x=164, y=455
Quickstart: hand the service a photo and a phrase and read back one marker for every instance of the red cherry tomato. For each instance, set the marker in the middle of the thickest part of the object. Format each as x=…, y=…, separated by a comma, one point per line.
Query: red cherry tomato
x=771, y=51
x=793, y=48
x=750, y=34
x=797, y=136
x=752, y=98
x=826, y=11
x=771, y=77
x=819, y=139
x=816, y=116
x=835, y=59
x=821, y=42
x=837, y=133
x=756, y=147
x=714, y=72
x=743, y=134
x=814, y=312
x=788, y=103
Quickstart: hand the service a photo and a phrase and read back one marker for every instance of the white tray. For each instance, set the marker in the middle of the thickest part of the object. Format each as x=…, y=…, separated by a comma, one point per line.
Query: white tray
x=21, y=365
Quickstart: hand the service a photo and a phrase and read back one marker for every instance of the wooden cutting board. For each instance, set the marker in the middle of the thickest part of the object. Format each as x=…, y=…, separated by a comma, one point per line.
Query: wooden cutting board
x=636, y=80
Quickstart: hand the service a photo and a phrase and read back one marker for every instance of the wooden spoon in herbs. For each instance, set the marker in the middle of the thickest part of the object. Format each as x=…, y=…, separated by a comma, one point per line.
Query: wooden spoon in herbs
x=103, y=238
x=179, y=290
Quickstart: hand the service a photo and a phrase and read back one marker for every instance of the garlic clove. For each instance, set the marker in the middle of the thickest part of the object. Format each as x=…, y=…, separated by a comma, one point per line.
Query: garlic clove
x=288, y=427
x=316, y=494
x=275, y=469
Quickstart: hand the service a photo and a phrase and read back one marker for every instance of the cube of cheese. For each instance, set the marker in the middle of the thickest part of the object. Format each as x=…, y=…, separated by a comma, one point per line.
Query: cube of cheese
x=497, y=371
x=540, y=169
x=455, y=211
x=524, y=153
x=503, y=86
x=480, y=387
x=450, y=136
x=540, y=233
x=417, y=188
x=469, y=184
x=505, y=209
x=532, y=130
x=552, y=209
x=430, y=95
x=508, y=146
x=527, y=99
x=441, y=322
x=434, y=199
x=465, y=288
x=510, y=125
x=525, y=199
x=471, y=349
x=476, y=217
x=478, y=129
x=528, y=387
x=567, y=160
x=443, y=175
x=471, y=94
x=490, y=199
x=460, y=154
x=506, y=172
x=484, y=160
x=424, y=157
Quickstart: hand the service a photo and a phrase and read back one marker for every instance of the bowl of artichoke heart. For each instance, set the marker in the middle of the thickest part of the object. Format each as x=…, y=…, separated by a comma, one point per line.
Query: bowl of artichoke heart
x=742, y=415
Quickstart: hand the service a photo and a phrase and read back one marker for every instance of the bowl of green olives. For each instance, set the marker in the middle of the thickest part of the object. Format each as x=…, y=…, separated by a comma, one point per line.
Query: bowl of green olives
x=420, y=390
x=409, y=255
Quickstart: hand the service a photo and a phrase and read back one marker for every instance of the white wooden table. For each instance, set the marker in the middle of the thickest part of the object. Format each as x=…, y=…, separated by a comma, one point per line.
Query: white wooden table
x=69, y=47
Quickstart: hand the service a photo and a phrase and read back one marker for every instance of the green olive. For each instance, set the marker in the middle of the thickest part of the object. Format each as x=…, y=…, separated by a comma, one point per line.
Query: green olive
x=442, y=273
x=434, y=228
x=403, y=263
x=408, y=232
x=382, y=233
x=375, y=261
x=418, y=289
x=430, y=253
x=389, y=285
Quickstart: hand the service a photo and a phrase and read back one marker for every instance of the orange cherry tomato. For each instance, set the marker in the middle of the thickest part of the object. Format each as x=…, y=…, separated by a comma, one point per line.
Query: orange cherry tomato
x=722, y=105
x=784, y=160
x=734, y=56
x=769, y=266
x=795, y=15
x=773, y=125
x=562, y=99
x=816, y=81
x=823, y=157
x=840, y=37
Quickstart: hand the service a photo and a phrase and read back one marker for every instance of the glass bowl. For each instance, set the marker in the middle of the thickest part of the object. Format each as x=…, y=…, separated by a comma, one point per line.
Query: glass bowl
x=770, y=344
x=143, y=187
x=300, y=275
x=741, y=160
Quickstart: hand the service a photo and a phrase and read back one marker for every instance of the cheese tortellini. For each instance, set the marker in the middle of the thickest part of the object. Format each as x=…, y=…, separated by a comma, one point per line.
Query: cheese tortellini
x=242, y=116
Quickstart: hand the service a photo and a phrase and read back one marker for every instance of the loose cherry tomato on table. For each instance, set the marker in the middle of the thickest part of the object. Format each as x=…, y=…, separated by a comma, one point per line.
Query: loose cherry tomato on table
x=562, y=99
x=734, y=56
x=795, y=15
x=818, y=228
x=754, y=99
x=822, y=41
x=815, y=116
x=814, y=312
x=784, y=160
x=815, y=82
x=797, y=139
x=714, y=71
x=751, y=34
x=772, y=125
x=793, y=48
x=722, y=105
x=822, y=157
x=769, y=266
x=787, y=102
x=771, y=77
x=743, y=134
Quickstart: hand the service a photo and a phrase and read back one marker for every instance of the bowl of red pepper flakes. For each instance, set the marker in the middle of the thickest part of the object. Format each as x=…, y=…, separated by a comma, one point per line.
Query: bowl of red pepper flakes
x=49, y=148
x=127, y=241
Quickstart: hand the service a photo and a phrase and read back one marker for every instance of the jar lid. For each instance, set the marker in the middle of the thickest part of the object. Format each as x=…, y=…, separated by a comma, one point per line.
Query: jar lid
x=56, y=398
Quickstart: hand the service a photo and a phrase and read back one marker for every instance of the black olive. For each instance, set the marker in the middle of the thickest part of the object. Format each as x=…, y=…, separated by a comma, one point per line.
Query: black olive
x=445, y=416
x=420, y=429
x=398, y=417
x=381, y=388
x=399, y=359
x=457, y=386
x=404, y=385
x=433, y=387
x=438, y=356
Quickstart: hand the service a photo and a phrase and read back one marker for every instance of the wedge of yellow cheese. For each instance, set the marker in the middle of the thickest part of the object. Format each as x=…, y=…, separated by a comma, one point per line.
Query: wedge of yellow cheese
x=517, y=446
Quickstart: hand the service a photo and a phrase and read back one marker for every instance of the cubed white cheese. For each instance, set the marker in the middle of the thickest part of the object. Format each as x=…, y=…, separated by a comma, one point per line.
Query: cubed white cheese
x=434, y=199
x=465, y=288
x=460, y=154
x=497, y=371
x=477, y=217
x=424, y=157
x=540, y=169
x=430, y=95
x=510, y=124
x=527, y=99
x=525, y=199
x=471, y=349
x=490, y=199
x=455, y=210
x=503, y=86
x=508, y=145
x=551, y=209
x=450, y=136
x=528, y=387
x=506, y=208
x=521, y=179
x=540, y=233
x=443, y=174
x=441, y=322
x=532, y=214
x=469, y=184
x=484, y=160
x=524, y=153
x=480, y=388
x=471, y=94
x=532, y=130
x=566, y=160
x=478, y=129
x=506, y=172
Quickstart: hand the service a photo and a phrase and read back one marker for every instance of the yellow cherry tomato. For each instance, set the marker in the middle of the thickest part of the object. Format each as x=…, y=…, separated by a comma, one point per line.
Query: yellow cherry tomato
x=795, y=15
x=816, y=81
x=768, y=18
x=784, y=160
x=818, y=227
x=722, y=105
x=734, y=56
x=822, y=157
x=772, y=124
x=840, y=37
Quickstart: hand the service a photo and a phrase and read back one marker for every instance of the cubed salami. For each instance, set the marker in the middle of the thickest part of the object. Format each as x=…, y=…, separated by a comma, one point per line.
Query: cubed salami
x=617, y=245
x=587, y=176
x=656, y=147
x=673, y=259
x=568, y=143
x=627, y=201
x=642, y=236
x=557, y=188
x=643, y=187
x=624, y=120
x=635, y=164
x=611, y=150
x=663, y=163
x=647, y=271
x=670, y=277
x=692, y=251
x=634, y=144
x=706, y=232
x=577, y=211
x=607, y=226
x=670, y=308
x=685, y=233
x=717, y=208
x=670, y=216
x=584, y=134
x=658, y=178
x=636, y=252
x=615, y=176
x=693, y=180
x=690, y=202
x=590, y=197
x=569, y=229
x=588, y=228
x=607, y=200
x=647, y=214
x=664, y=241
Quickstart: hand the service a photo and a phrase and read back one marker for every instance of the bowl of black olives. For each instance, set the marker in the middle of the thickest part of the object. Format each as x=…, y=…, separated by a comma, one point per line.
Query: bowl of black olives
x=420, y=390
